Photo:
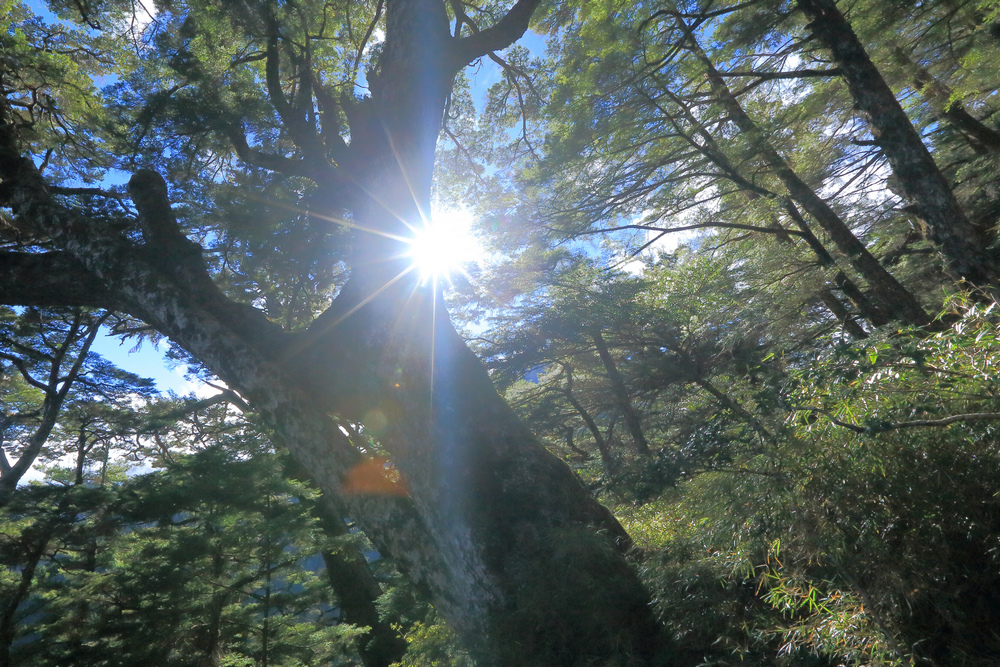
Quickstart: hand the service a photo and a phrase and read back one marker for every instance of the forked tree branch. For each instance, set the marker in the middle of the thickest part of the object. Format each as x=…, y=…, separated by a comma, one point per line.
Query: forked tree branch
x=497, y=37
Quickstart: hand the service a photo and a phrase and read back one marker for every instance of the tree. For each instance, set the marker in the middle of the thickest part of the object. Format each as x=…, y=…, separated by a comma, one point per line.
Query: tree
x=688, y=155
x=57, y=392
x=513, y=551
x=203, y=561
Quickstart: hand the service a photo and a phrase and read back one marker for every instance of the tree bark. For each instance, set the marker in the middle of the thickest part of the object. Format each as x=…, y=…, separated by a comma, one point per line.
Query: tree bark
x=966, y=248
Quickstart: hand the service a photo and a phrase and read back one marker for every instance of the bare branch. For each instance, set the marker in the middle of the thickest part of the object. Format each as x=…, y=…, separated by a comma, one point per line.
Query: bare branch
x=880, y=427
x=497, y=37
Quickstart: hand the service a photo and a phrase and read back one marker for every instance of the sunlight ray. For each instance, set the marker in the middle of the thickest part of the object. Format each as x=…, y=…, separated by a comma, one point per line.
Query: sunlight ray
x=368, y=299
x=409, y=185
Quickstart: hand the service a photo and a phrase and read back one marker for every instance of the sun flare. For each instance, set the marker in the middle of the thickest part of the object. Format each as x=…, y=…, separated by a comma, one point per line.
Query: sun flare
x=442, y=247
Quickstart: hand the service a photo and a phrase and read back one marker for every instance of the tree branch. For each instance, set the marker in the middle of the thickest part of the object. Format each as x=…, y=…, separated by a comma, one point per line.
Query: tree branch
x=792, y=74
x=96, y=192
x=368, y=35
x=172, y=251
x=51, y=279
x=273, y=162
x=687, y=228
x=880, y=427
x=497, y=37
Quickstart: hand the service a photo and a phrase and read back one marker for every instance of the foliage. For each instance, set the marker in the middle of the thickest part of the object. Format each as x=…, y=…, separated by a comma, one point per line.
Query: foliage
x=208, y=557
x=875, y=544
x=711, y=302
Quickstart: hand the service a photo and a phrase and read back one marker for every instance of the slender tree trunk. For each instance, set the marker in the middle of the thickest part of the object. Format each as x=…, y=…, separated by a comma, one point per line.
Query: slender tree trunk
x=12, y=602
x=825, y=294
x=711, y=150
x=58, y=386
x=965, y=247
x=569, y=430
x=736, y=409
x=981, y=137
x=10, y=476
x=607, y=456
x=890, y=294
x=632, y=420
x=843, y=315
x=357, y=590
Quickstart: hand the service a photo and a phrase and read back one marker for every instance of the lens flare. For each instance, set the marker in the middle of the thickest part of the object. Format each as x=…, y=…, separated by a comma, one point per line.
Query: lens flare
x=444, y=245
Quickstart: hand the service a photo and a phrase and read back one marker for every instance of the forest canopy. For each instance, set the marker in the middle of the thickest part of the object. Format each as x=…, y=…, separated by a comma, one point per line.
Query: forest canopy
x=716, y=385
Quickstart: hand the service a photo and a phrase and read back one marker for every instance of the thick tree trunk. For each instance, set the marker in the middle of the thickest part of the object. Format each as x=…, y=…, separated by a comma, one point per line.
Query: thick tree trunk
x=507, y=516
x=965, y=247
x=524, y=564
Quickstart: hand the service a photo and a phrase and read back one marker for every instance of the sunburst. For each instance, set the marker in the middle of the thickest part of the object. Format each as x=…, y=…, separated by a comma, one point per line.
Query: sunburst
x=444, y=245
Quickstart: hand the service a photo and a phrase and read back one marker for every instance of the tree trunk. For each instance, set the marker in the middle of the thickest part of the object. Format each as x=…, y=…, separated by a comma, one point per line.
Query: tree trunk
x=507, y=516
x=632, y=421
x=11, y=603
x=965, y=247
x=603, y=446
x=710, y=149
x=890, y=294
x=843, y=316
x=357, y=590
x=982, y=138
x=58, y=386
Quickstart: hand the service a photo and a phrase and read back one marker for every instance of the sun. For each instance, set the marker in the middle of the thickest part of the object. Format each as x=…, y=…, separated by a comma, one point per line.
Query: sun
x=444, y=245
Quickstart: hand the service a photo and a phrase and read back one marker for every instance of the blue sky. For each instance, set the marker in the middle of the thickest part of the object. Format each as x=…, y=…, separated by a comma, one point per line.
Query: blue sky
x=148, y=361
